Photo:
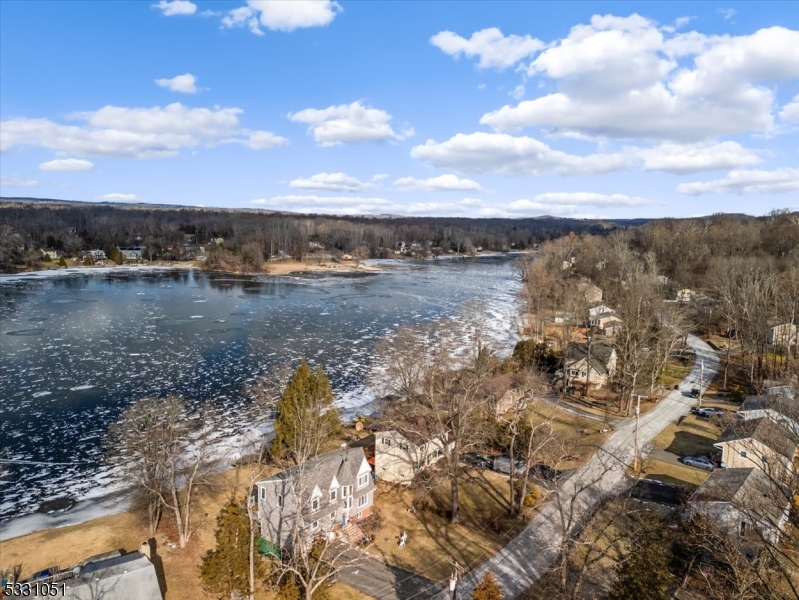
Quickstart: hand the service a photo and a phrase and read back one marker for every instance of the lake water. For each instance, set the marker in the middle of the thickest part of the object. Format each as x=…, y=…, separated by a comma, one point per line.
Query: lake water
x=75, y=350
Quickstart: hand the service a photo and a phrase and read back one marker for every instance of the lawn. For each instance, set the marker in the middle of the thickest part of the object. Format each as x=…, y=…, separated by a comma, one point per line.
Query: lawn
x=432, y=540
x=691, y=436
x=676, y=370
x=588, y=430
x=667, y=472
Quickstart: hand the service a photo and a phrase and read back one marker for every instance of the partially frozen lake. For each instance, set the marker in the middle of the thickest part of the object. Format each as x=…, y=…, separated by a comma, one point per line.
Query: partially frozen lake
x=75, y=350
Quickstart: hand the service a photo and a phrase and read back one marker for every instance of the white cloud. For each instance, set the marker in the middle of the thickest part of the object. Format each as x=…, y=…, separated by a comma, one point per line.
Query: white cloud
x=349, y=205
x=727, y=13
x=346, y=123
x=592, y=199
x=339, y=182
x=692, y=158
x=509, y=155
x=185, y=84
x=281, y=15
x=17, y=181
x=176, y=7
x=518, y=92
x=154, y=132
x=117, y=197
x=494, y=49
x=746, y=181
x=379, y=176
x=446, y=182
x=790, y=112
x=623, y=77
x=67, y=165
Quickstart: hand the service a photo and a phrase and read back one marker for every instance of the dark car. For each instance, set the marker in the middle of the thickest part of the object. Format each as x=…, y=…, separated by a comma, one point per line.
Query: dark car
x=545, y=472
x=480, y=461
x=694, y=393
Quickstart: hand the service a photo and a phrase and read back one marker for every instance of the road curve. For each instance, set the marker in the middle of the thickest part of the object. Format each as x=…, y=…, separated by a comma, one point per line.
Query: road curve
x=535, y=548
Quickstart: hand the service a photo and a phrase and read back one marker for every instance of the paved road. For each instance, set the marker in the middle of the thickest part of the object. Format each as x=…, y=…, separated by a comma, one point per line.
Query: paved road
x=534, y=550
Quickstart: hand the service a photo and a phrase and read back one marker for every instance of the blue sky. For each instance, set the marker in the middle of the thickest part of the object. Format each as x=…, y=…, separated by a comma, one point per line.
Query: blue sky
x=583, y=109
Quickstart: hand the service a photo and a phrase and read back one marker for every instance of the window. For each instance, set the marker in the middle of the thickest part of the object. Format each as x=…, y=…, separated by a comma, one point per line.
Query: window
x=363, y=500
x=363, y=480
x=263, y=493
x=315, y=525
x=743, y=454
x=333, y=516
x=346, y=490
x=333, y=495
x=403, y=446
x=386, y=441
x=280, y=500
x=744, y=527
x=348, y=502
x=358, y=515
x=315, y=504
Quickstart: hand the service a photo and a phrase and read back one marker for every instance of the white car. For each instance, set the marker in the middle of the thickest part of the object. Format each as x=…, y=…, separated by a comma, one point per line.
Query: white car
x=700, y=462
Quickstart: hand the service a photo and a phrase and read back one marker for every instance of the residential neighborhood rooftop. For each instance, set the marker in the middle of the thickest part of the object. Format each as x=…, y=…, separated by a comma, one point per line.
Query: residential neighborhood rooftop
x=765, y=431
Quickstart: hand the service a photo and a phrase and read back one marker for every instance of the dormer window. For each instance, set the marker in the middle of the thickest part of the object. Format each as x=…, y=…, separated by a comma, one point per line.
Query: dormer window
x=315, y=504
x=333, y=494
x=403, y=446
x=363, y=480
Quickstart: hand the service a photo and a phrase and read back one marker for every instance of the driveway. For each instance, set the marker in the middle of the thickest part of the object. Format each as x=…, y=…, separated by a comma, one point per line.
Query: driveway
x=535, y=549
x=375, y=578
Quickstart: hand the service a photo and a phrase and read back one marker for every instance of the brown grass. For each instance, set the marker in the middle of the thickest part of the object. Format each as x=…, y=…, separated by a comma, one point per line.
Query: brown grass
x=672, y=473
x=432, y=540
x=588, y=430
x=691, y=437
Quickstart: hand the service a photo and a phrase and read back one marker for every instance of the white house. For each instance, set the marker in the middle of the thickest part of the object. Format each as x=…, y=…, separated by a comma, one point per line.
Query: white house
x=782, y=335
x=406, y=448
x=593, y=371
x=760, y=443
x=318, y=497
x=741, y=499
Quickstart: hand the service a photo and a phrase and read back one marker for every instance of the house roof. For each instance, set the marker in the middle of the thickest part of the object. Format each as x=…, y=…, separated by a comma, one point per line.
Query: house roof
x=749, y=489
x=319, y=471
x=600, y=355
x=753, y=403
x=127, y=577
x=765, y=431
x=419, y=429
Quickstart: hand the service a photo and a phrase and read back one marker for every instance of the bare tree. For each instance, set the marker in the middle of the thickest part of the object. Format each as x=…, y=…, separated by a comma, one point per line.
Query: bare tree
x=163, y=448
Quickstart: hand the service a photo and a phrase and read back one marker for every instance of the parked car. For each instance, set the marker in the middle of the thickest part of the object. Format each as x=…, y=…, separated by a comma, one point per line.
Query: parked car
x=694, y=393
x=545, y=472
x=700, y=462
x=480, y=461
x=710, y=412
x=502, y=465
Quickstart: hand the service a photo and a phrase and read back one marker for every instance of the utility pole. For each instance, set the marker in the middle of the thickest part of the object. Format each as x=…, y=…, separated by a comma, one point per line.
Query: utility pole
x=637, y=420
x=701, y=380
x=453, y=579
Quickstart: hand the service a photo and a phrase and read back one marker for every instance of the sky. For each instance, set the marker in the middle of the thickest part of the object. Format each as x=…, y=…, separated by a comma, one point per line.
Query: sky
x=472, y=109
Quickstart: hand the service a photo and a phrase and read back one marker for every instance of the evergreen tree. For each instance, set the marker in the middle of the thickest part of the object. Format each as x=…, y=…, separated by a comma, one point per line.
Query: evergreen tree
x=487, y=589
x=306, y=416
x=225, y=569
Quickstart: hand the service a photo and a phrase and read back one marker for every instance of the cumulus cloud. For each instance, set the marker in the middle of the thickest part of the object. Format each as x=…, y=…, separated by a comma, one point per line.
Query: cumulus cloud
x=67, y=165
x=117, y=197
x=154, y=132
x=17, y=181
x=176, y=7
x=495, y=50
x=280, y=15
x=346, y=123
x=339, y=182
x=350, y=205
x=692, y=158
x=185, y=84
x=441, y=183
x=790, y=112
x=746, y=181
x=625, y=77
x=379, y=176
x=513, y=155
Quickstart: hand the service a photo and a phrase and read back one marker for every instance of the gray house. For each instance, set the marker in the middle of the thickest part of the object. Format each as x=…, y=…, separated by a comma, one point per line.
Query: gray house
x=318, y=497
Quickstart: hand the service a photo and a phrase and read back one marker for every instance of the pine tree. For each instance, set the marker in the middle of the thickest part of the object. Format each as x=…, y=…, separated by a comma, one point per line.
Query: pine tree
x=225, y=569
x=645, y=572
x=487, y=589
x=306, y=416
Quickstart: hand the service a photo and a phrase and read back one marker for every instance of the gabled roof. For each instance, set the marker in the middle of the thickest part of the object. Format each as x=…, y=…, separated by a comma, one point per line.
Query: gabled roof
x=765, y=431
x=127, y=577
x=419, y=429
x=318, y=472
x=600, y=355
x=749, y=489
